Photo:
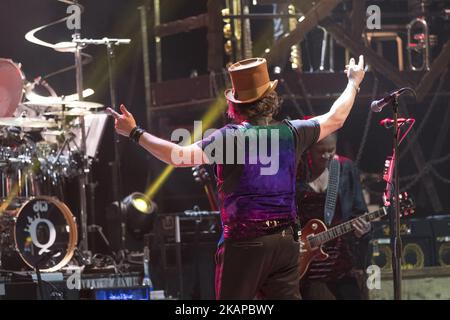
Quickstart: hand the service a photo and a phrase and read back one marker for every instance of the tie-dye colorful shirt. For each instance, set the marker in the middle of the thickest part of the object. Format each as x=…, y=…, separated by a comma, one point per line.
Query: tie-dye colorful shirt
x=256, y=170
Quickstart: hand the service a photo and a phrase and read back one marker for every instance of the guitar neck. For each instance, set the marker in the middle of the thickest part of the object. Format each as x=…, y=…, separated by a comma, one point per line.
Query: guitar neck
x=211, y=197
x=201, y=175
x=344, y=228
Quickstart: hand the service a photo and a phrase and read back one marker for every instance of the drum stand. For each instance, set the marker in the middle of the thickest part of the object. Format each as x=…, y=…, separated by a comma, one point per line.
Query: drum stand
x=110, y=43
x=84, y=176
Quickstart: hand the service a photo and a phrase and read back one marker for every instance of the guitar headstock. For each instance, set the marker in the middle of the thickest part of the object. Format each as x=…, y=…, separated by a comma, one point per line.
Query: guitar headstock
x=201, y=174
x=407, y=205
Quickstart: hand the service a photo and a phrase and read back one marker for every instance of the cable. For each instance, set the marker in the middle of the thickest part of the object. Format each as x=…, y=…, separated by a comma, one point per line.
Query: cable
x=109, y=258
x=439, y=177
x=426, y=116
x=411, y=124
x=441, y=160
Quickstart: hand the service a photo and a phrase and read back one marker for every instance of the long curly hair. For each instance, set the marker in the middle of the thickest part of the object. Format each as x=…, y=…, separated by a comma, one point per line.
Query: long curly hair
x=267, y=106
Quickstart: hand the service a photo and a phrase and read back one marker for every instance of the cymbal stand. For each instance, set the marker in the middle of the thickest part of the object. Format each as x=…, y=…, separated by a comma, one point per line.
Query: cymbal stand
x=84, y=176
x=110, y=44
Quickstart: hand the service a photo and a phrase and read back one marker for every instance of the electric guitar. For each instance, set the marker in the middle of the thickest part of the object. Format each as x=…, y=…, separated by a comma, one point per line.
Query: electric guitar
x=315, y=233
x=202, y=176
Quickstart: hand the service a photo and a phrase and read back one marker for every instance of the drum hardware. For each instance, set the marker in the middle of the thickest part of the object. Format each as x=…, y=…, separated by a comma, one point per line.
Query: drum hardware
x=56, y=102
x=24, y=122
x=110, y=44
x=39, y=148
x=76, y=48
x=76, y=112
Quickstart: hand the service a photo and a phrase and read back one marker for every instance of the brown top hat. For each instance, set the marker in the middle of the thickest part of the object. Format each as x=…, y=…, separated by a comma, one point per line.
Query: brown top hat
x=250, y=79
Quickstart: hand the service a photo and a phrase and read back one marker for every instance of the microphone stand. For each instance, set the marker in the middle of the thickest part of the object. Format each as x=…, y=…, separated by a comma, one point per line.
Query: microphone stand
x=394, y=217
x=396, y=241
x=395, y=232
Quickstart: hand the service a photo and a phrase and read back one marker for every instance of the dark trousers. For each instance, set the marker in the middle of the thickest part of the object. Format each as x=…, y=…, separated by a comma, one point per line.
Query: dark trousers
x=346, y=288
x=265, y=267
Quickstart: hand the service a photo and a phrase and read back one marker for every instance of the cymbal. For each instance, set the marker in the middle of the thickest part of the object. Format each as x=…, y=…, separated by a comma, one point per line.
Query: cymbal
x=27, y=122
x=37, y=98
x=75, y=112
x=52, y=102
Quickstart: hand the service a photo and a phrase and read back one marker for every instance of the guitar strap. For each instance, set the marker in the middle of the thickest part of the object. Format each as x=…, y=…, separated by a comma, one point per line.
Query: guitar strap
x=332, y=191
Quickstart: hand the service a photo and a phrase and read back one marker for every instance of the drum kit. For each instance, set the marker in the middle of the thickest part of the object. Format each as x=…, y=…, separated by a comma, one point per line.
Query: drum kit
x=38, y=153
x=45, y=140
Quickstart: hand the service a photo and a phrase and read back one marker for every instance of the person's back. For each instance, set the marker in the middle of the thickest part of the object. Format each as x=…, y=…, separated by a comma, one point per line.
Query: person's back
x=257, y=183
x=259, y=255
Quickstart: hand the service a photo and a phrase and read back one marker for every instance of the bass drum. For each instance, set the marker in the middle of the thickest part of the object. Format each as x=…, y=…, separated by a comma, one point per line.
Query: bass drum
x=43, y=232
x=11, y=87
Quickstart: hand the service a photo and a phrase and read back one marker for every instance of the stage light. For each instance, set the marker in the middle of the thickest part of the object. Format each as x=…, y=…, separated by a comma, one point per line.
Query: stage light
x=141, y=205
x=139, y=212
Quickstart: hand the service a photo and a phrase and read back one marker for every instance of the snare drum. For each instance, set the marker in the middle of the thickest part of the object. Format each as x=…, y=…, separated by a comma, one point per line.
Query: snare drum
x=42, y=231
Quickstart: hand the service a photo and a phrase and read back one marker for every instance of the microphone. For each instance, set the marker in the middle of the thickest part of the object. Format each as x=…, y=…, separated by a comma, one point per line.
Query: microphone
x=378, y=105
x=388, y=122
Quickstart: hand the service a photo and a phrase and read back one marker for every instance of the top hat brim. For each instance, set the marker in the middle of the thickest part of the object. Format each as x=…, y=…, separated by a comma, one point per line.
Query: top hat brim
x=229, y=94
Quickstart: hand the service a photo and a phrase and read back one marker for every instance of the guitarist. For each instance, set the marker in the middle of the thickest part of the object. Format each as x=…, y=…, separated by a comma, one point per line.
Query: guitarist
x=334, y=278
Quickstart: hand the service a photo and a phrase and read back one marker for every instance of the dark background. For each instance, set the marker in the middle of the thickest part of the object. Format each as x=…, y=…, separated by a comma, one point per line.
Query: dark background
x=182, y=54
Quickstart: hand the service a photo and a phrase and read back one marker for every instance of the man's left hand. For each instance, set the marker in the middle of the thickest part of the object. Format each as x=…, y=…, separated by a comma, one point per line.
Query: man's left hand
x=361, y=227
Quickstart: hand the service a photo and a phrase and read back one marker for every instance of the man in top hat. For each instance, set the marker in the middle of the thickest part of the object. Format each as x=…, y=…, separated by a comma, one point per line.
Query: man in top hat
x=258, y=254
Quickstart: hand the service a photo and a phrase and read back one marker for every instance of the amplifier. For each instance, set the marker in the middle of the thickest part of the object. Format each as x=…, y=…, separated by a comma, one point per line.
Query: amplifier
x=185, y=268
x=417, y=240
x=194, y=226
x=441, y=230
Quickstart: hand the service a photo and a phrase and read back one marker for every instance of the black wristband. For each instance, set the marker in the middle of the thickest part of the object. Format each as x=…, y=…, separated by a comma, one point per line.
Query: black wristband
x=136, y=134
x=132, y=132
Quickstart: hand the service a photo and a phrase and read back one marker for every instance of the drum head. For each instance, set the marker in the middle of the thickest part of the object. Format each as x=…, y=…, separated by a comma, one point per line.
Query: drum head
x=11, y=87
x=45, y=234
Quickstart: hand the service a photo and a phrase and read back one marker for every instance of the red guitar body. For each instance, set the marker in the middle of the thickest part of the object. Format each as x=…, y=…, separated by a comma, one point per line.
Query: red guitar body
x=307, y=252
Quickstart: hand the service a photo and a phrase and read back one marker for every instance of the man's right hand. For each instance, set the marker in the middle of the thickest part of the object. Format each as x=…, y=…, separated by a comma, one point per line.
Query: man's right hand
x=124, y=122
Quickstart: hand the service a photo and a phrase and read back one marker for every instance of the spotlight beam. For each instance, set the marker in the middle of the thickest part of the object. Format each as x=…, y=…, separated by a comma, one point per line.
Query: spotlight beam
x=214, y=112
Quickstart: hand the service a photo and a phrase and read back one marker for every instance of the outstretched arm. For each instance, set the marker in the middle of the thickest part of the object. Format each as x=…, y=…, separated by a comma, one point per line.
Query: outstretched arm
x=335, y=118
x=164, y=150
